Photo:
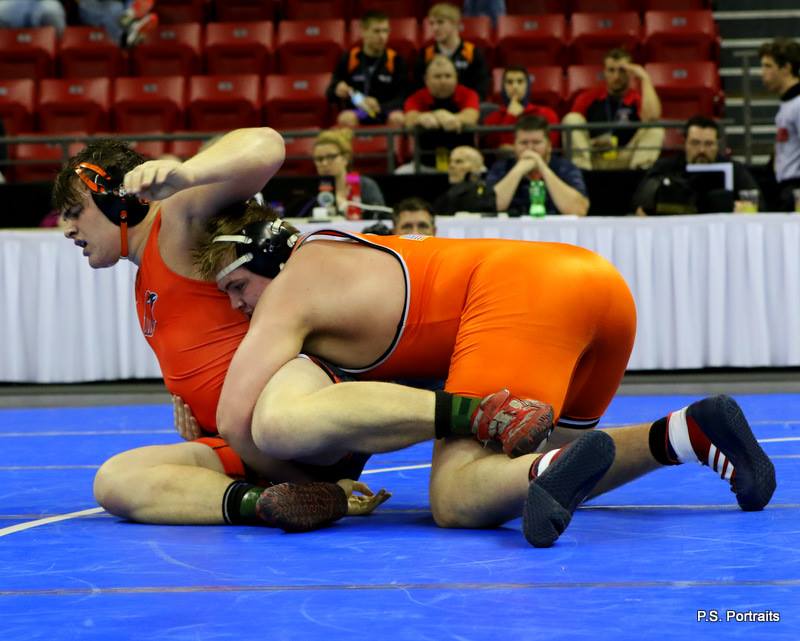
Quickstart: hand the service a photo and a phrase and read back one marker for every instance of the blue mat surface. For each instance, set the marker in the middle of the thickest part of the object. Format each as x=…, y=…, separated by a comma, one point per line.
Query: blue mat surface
x=636, y=563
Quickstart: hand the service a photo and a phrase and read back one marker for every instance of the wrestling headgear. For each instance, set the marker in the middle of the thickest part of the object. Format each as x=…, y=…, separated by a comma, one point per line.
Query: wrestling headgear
x=262, y=247
x=109, y=195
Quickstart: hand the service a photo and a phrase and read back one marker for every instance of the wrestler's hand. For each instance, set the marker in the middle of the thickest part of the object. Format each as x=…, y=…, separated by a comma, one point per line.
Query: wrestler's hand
x=158, y=179
x=366, y=502
x=185, y=422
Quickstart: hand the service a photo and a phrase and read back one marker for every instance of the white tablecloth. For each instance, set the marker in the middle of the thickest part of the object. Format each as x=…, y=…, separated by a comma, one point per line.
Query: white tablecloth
x=711, y=291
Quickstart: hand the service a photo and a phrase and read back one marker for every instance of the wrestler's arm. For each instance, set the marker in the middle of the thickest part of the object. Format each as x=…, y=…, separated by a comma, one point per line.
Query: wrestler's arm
x=272, y=340
x=233, y=168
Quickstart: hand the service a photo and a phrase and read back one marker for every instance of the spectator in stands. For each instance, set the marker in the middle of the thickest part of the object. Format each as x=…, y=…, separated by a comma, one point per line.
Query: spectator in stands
x=491, y=8
x=126, y=21
x=616, y=101
x=442, y=109
x=33, y=13
x=414, y=216
x=534, y=160
x=780, y=72
x=369, y=82
x=516, y=103
x=469, y=61
x=332, y=155
x=670, y=188
x=468, y=191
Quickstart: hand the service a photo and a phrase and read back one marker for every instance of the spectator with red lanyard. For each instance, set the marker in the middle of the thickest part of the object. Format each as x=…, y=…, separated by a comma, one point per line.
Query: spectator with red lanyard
x=616, y=101
x=442, y=109
x=516, y=103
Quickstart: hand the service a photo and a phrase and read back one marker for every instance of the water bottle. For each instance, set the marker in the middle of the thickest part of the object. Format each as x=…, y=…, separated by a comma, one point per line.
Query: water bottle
x=538, y=196
x=359, y=101
x=354, y=196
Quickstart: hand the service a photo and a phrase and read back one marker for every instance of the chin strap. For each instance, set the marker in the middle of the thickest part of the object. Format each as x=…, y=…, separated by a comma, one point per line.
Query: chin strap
x=123, y=231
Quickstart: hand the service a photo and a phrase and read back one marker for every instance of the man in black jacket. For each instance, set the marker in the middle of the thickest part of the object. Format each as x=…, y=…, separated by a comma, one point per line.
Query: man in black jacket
x=669, y=188
x=368, y=85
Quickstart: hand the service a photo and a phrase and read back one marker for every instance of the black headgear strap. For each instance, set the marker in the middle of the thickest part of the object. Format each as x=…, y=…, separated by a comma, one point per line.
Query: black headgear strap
x=262, y=247
x=109, y=195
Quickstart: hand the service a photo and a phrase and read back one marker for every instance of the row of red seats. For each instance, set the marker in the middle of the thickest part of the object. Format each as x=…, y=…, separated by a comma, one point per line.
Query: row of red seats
x=176, y=11
x=220, y=103
x=317, y=44
x=35, y=161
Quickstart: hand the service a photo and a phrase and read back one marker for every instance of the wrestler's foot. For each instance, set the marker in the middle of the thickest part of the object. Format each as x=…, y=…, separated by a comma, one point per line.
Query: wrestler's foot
x=729, y=448
x=519, y=424
x=300, y=507
x=554, y=496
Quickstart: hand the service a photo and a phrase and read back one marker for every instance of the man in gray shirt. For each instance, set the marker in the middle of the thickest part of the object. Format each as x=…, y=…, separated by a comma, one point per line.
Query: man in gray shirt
x=780, y=72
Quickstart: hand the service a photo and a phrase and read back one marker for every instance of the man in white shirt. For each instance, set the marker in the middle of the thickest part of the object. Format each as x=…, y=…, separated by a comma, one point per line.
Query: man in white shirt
x=780, y=73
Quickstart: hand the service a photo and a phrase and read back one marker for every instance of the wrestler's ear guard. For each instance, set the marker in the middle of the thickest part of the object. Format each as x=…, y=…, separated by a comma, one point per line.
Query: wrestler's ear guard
x=262, y=247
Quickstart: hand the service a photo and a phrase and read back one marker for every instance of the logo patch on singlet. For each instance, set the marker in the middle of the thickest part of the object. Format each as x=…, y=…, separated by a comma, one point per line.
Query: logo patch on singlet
x=148, y=317
x=414, y=236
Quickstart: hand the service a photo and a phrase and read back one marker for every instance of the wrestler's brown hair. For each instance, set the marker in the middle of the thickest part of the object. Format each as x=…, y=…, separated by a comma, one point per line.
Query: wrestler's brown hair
x=68, y=190
x=210, y=257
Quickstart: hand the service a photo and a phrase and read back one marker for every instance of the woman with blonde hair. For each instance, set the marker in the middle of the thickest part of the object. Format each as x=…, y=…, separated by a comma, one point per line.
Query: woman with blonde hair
x=332, y=155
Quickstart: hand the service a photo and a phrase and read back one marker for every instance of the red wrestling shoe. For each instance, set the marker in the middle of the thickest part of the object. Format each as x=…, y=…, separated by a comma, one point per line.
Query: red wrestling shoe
x=300, y=507
x=519, y=424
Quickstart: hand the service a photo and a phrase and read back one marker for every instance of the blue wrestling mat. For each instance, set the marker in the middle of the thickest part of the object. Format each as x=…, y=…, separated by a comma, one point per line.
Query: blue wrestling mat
x=643, y=562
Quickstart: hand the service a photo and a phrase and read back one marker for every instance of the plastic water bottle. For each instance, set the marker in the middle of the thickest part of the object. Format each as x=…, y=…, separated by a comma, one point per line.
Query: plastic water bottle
x=538, y=196
x=359, y=101
x=354, y=196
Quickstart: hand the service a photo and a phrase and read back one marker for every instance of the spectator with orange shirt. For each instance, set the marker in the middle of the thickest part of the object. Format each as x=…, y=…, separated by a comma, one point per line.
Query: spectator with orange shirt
x=516, y=100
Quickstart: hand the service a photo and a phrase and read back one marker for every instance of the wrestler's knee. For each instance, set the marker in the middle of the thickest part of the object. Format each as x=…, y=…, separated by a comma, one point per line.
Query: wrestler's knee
x=277, y=431
x=451, y=507
x=112, y=487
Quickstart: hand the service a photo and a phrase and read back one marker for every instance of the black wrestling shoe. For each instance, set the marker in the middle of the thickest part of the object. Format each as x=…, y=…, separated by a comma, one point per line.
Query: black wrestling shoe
x=557, y=492
x=751, y=473
x=300, y=507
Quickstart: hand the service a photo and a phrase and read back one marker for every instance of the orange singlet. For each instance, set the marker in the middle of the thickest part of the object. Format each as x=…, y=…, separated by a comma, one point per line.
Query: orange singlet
x=548, y=321
x=191, y=327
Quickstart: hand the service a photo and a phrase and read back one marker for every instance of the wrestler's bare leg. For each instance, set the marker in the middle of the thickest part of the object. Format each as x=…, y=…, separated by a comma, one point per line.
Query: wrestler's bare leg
x=181, y=483
x=185, y=482
x=295, y=418
x=473, y=486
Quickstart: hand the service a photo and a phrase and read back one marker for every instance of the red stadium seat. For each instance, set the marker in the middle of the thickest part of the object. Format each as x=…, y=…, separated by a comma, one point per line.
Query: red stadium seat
x=594, y=34
x=530, y=40
x=27, y=53
x=477, y=30
x=318, y=9
x=147, y=104
x=17, y=104
x=179, y=11
x=678, y=36
x=151, y=149
x=296, y=101
x=534, y=7
x=298, y=157
x=40, y=161
x=392, y=8
x=580, y=77
x=403, y=38
x=675, y=5
x=370, y=153
x=184, y=149
x=74, y=104
x=593, y=6
x=238, y=47
x=224, y=102
x=171, y=50
x=303, y=45
x=687, y=88
x=88, y=52
x=244, y=10
x=546, y=88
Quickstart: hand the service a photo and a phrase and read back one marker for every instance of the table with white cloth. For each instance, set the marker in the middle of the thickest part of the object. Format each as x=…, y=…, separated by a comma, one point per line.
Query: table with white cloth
x=711, y=291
